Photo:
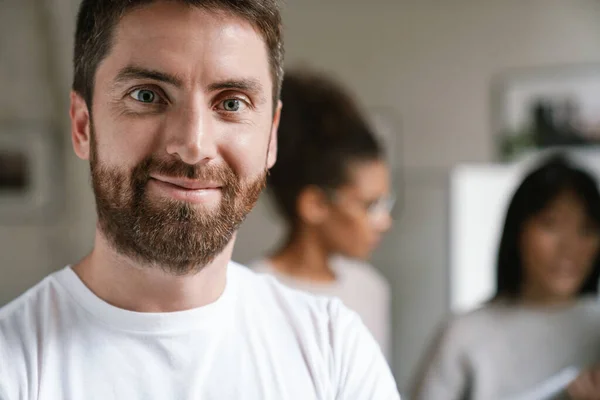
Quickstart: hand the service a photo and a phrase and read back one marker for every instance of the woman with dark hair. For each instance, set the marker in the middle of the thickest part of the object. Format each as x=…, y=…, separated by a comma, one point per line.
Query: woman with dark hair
x=331, y=185
x=544, y=317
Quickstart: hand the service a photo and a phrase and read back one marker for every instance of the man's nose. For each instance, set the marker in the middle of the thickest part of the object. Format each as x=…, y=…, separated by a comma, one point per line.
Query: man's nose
x=191, y=135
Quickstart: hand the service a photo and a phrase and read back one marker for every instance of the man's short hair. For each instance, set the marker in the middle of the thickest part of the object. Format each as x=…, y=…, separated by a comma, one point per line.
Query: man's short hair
x=97, y=20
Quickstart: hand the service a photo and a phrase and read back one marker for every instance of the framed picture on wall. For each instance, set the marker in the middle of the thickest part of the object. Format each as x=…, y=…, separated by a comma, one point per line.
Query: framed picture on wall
x=31, y=174
x=543, y=108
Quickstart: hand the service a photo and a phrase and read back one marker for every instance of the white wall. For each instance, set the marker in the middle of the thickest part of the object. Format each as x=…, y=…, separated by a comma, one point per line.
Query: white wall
x=431, y=61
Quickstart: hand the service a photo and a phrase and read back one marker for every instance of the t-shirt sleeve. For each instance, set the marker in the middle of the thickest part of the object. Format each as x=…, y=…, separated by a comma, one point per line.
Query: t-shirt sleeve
x=4, y=378
x=359, y=368
x=3, y=391
x=444, y=372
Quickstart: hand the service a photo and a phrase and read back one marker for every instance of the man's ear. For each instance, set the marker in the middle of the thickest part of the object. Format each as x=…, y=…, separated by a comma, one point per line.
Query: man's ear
x=80, y=126
x=272, y=149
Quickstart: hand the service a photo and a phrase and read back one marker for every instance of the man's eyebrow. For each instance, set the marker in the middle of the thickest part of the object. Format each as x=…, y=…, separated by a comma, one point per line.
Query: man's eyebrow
x=133, y=72
x=253, y=86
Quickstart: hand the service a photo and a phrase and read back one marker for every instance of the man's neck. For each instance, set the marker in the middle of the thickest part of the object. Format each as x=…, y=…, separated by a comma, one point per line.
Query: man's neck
x=130, y=285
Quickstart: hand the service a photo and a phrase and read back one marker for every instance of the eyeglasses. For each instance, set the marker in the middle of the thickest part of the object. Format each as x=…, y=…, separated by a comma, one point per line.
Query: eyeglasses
x=382, y=206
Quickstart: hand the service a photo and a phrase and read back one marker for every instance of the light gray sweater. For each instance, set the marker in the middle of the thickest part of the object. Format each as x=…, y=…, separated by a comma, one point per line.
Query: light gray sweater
x=502, y=351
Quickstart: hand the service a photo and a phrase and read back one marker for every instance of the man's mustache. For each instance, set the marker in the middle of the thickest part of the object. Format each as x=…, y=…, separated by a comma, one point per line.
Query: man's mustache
x=178, y=169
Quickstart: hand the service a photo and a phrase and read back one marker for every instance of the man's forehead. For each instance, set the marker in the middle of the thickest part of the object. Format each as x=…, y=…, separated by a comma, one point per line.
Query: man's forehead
x=167, y=20
x=187, y=41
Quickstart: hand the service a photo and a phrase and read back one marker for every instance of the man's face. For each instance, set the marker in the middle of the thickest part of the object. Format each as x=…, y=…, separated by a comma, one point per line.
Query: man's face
x=183, y=132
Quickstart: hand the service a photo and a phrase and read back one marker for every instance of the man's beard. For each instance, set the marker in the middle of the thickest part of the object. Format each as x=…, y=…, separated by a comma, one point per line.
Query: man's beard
x=164, y=232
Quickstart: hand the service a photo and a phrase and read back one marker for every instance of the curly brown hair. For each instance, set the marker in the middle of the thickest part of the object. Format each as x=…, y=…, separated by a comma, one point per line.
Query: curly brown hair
x=322, y=131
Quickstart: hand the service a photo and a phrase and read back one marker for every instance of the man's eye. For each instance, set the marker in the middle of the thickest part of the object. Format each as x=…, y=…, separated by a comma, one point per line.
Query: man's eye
x=144, y=95
x=232, y=105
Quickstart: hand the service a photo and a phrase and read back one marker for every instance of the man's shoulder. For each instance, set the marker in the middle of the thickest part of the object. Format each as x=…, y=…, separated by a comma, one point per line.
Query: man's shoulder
x=23, y=317
x=21, y=323
x=19, y=307
x=353, y=358
x=315, y=313
x=265, y=287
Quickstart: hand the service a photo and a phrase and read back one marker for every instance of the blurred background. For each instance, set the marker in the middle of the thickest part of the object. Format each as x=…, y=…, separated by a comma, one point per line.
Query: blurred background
x=452, y=86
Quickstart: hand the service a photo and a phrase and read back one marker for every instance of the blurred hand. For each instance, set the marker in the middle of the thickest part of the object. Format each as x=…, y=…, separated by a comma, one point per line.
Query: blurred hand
x=586, y=386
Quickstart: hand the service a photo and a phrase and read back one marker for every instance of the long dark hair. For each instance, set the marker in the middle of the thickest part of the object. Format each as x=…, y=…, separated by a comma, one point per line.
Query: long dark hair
x=539, y=188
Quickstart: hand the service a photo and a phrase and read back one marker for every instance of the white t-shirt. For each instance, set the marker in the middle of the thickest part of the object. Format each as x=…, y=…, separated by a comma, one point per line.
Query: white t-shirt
x=360, y=287
x=259, y=341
